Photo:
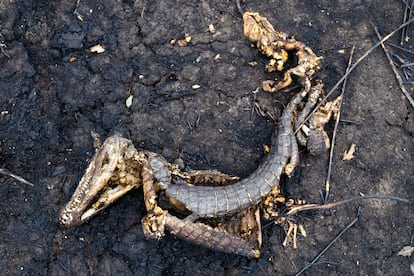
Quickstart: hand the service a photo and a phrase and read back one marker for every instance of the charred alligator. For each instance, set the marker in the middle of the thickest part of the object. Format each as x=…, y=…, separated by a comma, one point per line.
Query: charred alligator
x=117, y=167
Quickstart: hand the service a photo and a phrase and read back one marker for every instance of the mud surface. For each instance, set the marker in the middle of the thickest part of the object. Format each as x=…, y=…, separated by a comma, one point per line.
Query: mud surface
x=54, y=92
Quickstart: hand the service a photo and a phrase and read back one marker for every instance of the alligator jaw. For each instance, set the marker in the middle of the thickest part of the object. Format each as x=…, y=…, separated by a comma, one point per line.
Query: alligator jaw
x=106, y=179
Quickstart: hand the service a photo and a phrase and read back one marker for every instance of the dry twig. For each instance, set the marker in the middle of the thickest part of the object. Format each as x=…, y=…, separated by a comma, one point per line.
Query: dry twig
x=330, y=244
x=75, y=11
x=408, y=12
x=328, y=177
x=300, y=208
x=394, y=69
x=143, y=10
x=239, y=8
x=18, y=178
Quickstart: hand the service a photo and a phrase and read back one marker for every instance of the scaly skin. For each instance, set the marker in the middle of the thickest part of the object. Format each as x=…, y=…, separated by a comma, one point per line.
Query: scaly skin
x=220, y=201
x=213, y=238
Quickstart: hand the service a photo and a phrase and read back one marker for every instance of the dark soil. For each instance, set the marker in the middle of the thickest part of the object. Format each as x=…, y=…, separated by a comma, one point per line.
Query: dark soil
x=54, y=92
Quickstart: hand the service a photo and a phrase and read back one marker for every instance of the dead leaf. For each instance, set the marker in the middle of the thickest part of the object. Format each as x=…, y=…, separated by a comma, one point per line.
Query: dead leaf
x=406, y=251
x=253, y=63
x=128, y=101
x=349, y=154
x=302, y=230
x=183, y=42
x=187, y=38
x=97, y=49
x=211, y=28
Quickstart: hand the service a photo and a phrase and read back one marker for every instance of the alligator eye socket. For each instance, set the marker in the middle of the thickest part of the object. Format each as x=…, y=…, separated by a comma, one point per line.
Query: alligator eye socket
x=105, y=160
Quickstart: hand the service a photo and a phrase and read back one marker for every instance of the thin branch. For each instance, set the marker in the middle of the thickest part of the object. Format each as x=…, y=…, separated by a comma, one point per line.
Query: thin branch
x=328, y=177
x=330, y=244
x=75, y=11
x=404, y=31
x=404, y=19
x=143, y=10
x=394, y=69
x=400, y=48
x=18, y=178
x=239, y=8
x=306, y=207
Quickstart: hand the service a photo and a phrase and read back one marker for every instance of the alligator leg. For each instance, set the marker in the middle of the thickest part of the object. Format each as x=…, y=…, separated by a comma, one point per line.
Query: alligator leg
x=312, y=135
x=240, y=234
x=207, y=236
x=313, y=98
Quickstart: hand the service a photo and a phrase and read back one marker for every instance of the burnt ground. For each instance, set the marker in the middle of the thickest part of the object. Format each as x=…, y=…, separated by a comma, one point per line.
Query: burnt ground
x=54, y=92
